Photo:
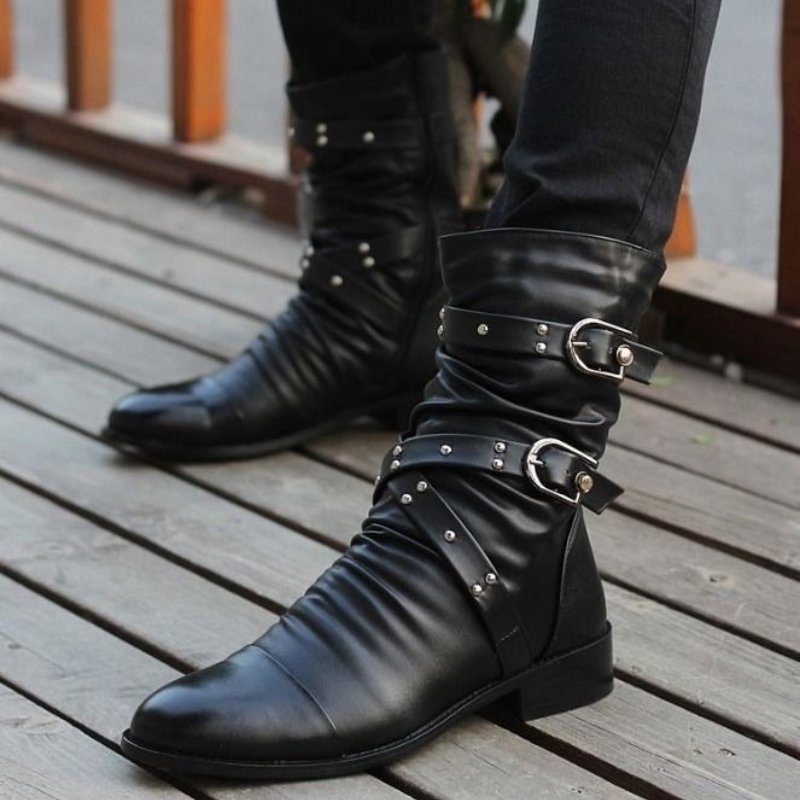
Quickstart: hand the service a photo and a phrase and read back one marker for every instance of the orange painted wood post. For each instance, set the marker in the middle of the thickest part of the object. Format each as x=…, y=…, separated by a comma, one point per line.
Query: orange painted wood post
x=88, y=54
x=683, y=241
x=199, y=41
x=6, y=39
x=789, y=247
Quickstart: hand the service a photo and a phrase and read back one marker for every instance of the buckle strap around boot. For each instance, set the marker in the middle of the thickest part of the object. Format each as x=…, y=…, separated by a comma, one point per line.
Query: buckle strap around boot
x=553, y=467
x=592, y=346
x=432, y=516
x=365, y=134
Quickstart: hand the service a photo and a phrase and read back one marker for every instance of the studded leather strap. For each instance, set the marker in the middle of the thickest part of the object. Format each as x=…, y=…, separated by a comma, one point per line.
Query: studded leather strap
x=592, y=346
x=353, y=134
x=550, y=466
x=430, y=514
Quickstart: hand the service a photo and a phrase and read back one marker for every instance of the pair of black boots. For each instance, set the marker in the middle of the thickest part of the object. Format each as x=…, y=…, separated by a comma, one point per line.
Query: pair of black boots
x=472, y=578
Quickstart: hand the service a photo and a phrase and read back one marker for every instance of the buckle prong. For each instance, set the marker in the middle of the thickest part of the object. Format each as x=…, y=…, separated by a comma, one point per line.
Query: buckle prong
x=574, y=344
x=533, y=462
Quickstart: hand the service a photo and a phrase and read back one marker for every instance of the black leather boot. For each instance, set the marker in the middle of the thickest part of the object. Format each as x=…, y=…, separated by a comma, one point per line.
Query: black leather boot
x=358, y=338
x=472, y=579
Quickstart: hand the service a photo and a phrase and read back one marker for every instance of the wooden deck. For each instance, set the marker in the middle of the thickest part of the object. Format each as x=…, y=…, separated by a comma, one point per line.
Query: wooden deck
x=116, y=574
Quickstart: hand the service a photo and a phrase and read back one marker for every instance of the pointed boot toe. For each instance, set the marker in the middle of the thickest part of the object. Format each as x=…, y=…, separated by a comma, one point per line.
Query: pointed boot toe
x=247, y=709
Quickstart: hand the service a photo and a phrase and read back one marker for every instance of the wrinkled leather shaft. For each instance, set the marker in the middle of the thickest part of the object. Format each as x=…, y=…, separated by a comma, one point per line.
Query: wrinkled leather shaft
x=332, y=350
x=388, y=637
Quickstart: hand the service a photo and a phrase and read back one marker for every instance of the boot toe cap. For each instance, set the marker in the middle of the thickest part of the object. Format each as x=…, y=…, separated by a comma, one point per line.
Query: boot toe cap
x=244, y=709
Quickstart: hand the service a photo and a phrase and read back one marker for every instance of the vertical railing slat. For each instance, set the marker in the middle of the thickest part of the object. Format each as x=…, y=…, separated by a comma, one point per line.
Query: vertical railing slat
x=199, y=33
x=683, y=242
x=789, y=249
x=6, y=39
x=88, y=53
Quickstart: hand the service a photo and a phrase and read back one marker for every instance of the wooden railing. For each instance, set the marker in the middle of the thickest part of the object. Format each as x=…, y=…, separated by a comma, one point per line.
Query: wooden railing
x=707, y=306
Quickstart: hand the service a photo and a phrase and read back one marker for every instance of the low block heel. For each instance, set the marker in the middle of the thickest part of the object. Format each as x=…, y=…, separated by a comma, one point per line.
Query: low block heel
x=568, y=681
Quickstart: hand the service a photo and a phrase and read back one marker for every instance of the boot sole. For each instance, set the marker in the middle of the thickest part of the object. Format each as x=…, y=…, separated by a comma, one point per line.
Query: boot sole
x=393, y=415
x=563, y=683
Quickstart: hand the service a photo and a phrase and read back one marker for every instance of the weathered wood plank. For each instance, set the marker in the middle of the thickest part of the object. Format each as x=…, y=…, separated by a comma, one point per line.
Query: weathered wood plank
x=643, y=735
x=144, y=305
x=43, y=757
x=126, y=249
x=676, y=653
x=97, y=679
x=161, y=212
x=100, y=341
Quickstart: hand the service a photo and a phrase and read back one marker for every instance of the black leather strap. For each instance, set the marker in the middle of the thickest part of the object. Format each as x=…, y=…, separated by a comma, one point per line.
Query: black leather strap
x=592, y=346
x=365, y=134
x=552, y=467
x=368, y=253
x=432, y=516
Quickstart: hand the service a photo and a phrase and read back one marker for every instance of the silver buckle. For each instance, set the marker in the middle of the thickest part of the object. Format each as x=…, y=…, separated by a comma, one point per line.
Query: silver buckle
x=574, y=345
x=533, y=462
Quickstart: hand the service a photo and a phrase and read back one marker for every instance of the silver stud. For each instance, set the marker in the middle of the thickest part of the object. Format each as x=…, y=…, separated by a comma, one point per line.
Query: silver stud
x=441, y=313
x=364, y=248
x=491, y=578
x=305, y=263
x=322, y=128
x=625, y=356
x=378, y=479
x=422, y=486
x=449, y=536
x=584, y=481
x=498, y=463
x=477, y=589
x=541, y=348
x=397, y=450
x=291, y=131
x=445, y=449
x=336, y=281
x=368, y=137
x=394, y=465
x=406, y=499
x=368, y=262
x=542, y=329
x=322, y=141
x=483, y=329
x=440, y=331
x=309, y=251
x=500, y=447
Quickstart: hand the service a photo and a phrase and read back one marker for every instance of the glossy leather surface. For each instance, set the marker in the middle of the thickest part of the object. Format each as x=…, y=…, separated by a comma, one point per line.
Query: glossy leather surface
x=353, y=336
x=390, y=635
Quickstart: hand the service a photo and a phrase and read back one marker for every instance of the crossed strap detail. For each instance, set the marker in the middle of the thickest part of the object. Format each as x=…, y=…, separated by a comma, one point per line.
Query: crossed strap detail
x=429, y=512
x=363, y=134
x=592, y=346
x=552, y=467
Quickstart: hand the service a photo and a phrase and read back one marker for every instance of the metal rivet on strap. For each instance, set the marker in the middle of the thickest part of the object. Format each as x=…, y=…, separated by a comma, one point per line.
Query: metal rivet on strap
x=378, y=479
x=291, y=131
x=309, y=251
x=440, y=331
x=322, y=128
x=368, y=262
x=483, y=329
x=445, y=449
x=498, y=463
x=541, y=348
x=364, y=248
x=449, y=536
x=422, y=486
x=394, y=465
x=491, y=578
x=336, y=280
x=405, y=499
x=542, y=329
x=585, y=482
x=441, y=313
x=625, y=356
x=397, y=450
x=305, y=264
x=500, y=447
x=368, y=137
x=322, y=141
x=477, y=589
